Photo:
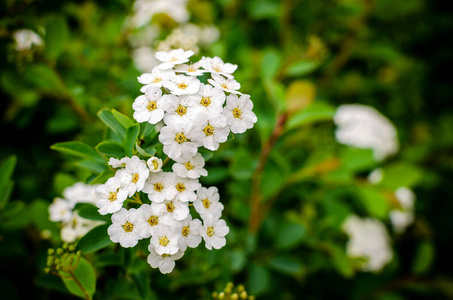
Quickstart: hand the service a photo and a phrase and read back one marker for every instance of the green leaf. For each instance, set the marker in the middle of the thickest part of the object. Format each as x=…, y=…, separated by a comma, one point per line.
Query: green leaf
x=57, y=35
x=149, y=152
x=401, y=174
x=85, y=275
x=275, y=91
x=259, y=279
x=90, y=212
x=270, y=63
x=317, y=112
x=44, y=78
x=111, y=148
x=124, y=120
x=286, y=264
x=94, y=240
x=341, y=261
x=101, y=178
x=373, y=201
x=130, y=139
x=291, y=235
x=356, y=160
x=94, y=166
x=78, y=149
x=302, y=68
x=423, y=258
x=243, y=165
x=6, y=172
x=107, y=117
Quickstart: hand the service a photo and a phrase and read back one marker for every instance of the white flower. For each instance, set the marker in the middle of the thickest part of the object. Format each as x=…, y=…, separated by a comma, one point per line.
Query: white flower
x=239, y=114
x=154, y=164
x=228, y=85
x=165, y=262
x=213, y=129
x=364, y=127
x=80, y=193
x=376, y=176
x=369, y=240
x=179, y=140
x=210, y=99
x=182, y=85
x=171, y=58
x=155, y=78
x=110, y=196
x=118, y=163
x=216, y=65
x=189, y=233
x=405, y=197
x=124, y=228
x=150, y=107
x=25, y=39
x=149, y=217
x=186, y=188
x=207, y=203
x=190, y=69
x=165, y=240
x=60, y=210
x=190, y=167
x=179, y=109
x=176, y=210
x=134, y=175
x=77, y=227
x=160, y=187
x=213, y=232
x=402, y=217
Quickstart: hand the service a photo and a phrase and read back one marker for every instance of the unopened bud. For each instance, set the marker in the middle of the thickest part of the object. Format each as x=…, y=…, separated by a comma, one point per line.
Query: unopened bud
x=65, y=246
x=221, y=295
x=241, y=288
x=214, y=295
x=234, y=296
x=243, y=295
x=50, y=251
x=72, y=248
x=59, y=251
x=251, y=297
x=47, y=270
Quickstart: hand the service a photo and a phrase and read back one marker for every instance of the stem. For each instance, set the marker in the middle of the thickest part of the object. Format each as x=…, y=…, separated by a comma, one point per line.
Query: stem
x=166, y=161
x=87, y=296
x=256, y=215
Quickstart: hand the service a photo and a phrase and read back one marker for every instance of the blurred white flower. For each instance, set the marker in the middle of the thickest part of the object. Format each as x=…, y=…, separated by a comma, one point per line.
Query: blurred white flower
x=25, y=39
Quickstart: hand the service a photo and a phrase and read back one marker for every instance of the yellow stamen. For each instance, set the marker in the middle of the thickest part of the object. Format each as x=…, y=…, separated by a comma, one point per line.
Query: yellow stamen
x=128, y=227
x=210, y=231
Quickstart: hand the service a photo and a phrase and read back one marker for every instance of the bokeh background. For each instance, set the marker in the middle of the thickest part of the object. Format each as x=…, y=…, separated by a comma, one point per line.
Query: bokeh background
x=299, y=61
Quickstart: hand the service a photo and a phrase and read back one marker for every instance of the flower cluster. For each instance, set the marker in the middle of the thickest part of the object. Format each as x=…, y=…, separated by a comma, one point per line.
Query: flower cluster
x=192, y=115
x=364, y=127
x=369, y=240
x=26, y=39
x=62, y=210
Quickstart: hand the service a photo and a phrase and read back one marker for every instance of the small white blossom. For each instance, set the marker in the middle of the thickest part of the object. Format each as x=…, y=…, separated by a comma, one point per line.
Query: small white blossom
x=216, y=65
x=150, y=217
x=165, y=262
x=179, y=109
x=171, y=58
x=60, y=210
x=210, y=100
x=77, y=227
x=404, y=216
x=118, y=163
x=213, y=129
x=80, y=193
x=155, y=78
x=182, y=85
x=239, y=114
x=160, y=187
x=186, y=188
x=134, y=175
x=154, y=164
x=189, y=233
x=176, y=210
x=124, y=228
x=110, y=196
x=213, y=232
x=190, y=167
x=150, y=107
x=376, y=176
x=207, y=203
x=25, y=39
x=190, y=69
x=228, y=85
x=179, y=141
x=165, y=240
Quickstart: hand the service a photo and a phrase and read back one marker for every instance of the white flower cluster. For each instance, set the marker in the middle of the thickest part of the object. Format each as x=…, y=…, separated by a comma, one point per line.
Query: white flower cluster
x=167, y=220
x=364, y=127
x=194, y=114
x=369, y=240
x=144, y=10
x=404, y=215
x=25, y=39
x=62, y=210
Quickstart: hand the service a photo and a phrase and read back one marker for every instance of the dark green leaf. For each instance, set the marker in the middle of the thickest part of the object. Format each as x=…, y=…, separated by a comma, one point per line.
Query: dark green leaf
x=270, y=64
x=124, y=120
x=86, y=277
x=424, y=257
x=78, y=149
x=147, y=153
x=94, y=240
x=94, y=166
x=130, y=139
x=316, y=112
x=286, y=264
x=259, y=280
x=57, y=34
x=291, y=235
x=302, y=68
x=90, y=212
x=6, y=172
x=374, y=202
x=111, y=148
x=107, y=117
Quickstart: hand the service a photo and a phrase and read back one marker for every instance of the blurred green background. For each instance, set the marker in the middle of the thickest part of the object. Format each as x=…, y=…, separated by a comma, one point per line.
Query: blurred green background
x=298, y=60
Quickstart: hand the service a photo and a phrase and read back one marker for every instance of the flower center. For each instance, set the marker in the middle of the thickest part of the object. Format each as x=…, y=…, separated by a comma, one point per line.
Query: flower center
x=206, y=203
x=205, y=101
x=155, y=164
x=135, y=178
x=185, y=231
x=180, y=187
x=128, y=227
x=165, y=255
x=158, y=187
x=112, y=196
x=189, y=165
x=153, y=220
x=217, y=69
x=208, y=130
x=152, y=105
x=173, y=59
x=170, y=207
x=182, y=86
x=181, y=110
x=164, y=241
x=224, y=86
x=237, y=112
x=157, y=80
x=210, y=231
x=180, y=138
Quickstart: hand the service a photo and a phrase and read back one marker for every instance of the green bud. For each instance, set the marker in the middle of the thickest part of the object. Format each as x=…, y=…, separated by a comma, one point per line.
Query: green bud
x=50, y=251
x=227, y=290
x=70, y=260
x=72, y=248
x=230, y=285
x=49, y=261
x=59, y=268
x=234, y=297
x=78, y=253
x=214, y=295
x=251, y=297
x=65, y=246
x=57, y=261
x=241, y=288
x=221, y=295
x=59, y=251
x=47, y=270
x=243, y=295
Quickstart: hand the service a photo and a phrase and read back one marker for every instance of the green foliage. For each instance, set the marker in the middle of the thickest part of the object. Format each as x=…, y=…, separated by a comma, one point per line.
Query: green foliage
x=83, y=281
x=95, y=240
